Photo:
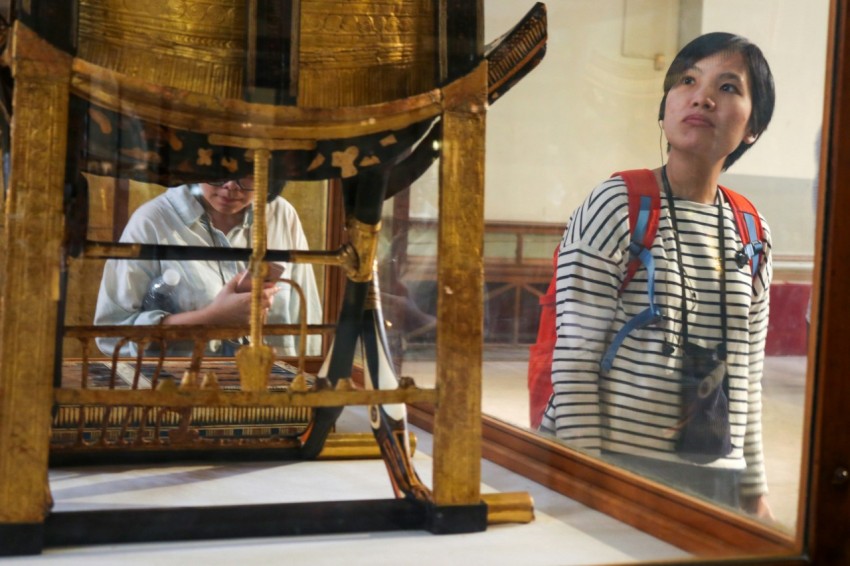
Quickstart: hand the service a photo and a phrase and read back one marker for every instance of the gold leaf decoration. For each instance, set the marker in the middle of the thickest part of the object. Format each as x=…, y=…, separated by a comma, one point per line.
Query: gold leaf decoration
x=230, y=164
x=101, y=120
x=204, y=156
x=345, y=161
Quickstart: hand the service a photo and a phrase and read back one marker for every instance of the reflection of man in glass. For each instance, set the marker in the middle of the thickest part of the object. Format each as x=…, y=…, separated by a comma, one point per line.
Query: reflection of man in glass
x=214, y=214
x=718, y=98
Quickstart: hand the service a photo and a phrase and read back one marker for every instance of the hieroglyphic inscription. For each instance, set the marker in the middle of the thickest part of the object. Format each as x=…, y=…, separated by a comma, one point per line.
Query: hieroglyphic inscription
x=355, y=53
x=197, y=45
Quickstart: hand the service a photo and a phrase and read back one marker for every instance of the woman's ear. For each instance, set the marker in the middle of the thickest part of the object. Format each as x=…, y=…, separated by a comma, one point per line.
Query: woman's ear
x=750, y=138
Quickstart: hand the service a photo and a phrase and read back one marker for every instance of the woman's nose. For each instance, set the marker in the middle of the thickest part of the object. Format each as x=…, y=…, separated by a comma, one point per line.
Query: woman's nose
x=703, y=100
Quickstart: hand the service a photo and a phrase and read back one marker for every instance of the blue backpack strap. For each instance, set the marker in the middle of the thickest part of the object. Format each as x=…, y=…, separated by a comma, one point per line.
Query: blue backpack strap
x=752, y=245
x=644, y=212
x=749, y=229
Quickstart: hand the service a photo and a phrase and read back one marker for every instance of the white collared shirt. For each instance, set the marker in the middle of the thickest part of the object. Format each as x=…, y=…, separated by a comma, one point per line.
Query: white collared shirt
x=177, y=218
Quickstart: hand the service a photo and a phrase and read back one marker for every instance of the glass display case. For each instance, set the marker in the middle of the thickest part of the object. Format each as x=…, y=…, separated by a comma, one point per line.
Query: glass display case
x=405, y=142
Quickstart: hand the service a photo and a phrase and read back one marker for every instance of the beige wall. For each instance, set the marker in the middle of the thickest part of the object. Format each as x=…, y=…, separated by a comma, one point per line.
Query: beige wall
x=588, y=110
x=584, y=113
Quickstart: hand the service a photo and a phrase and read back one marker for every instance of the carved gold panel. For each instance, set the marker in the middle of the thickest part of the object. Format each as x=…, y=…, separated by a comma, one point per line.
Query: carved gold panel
x=196, y=45
x=353, y=53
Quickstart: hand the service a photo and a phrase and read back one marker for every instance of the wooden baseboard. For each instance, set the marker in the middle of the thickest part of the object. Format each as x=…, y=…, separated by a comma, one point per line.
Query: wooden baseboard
x=669, y=515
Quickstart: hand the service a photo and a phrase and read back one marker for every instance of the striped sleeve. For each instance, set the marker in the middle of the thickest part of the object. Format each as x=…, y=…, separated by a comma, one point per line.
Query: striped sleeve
x=754, y=480
x=588, y=278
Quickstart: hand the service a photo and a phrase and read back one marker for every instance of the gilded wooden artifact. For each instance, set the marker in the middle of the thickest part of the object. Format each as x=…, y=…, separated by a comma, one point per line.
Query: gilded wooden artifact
x=515, y=507
x=29, y=286
x=183, y=91
x=460, y=270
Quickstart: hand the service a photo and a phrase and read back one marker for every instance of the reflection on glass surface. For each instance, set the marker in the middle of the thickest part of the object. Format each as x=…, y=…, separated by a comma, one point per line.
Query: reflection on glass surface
x=217, y=215
x=591, y=109
x=212, y=214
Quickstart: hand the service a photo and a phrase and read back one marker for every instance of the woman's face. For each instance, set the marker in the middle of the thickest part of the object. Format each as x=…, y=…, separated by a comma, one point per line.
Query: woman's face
x=230, y=196
x=708, y=109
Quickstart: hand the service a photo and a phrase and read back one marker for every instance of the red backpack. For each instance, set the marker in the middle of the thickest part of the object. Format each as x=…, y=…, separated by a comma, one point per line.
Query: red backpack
x=644, y=213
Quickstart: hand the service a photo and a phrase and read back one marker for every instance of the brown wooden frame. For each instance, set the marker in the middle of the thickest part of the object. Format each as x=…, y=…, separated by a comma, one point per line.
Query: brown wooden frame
x=826, y=535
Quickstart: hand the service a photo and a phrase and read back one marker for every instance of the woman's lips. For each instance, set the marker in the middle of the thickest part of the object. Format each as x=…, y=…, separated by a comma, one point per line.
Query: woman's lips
x=698, y=120
x=228, y=201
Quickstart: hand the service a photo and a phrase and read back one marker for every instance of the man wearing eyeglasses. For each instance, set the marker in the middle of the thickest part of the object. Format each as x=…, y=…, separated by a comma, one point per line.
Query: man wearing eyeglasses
x=216, y=214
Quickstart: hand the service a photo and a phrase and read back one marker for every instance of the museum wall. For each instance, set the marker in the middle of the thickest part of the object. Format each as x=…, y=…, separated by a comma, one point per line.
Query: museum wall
x=590, y=110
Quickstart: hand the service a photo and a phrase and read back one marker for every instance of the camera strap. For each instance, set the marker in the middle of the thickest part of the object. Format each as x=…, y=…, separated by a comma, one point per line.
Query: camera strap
x=721, y=350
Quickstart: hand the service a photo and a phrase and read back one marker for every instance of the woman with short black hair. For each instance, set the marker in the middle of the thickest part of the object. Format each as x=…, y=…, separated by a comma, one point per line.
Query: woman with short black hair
x=633, y=409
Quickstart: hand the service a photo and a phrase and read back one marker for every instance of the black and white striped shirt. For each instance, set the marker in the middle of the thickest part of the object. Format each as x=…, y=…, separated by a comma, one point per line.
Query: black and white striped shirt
x=635, y=407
